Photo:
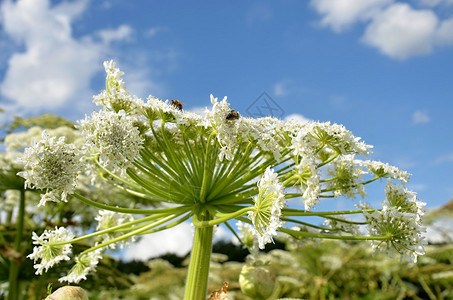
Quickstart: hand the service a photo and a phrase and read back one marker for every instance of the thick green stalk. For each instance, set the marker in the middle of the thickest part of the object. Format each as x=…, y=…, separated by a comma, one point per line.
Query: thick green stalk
x=14, y=266
x=197, y=275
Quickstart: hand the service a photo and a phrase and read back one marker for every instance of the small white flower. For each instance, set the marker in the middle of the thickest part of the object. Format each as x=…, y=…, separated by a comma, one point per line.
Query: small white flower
x=84, y=265
x=269, y=203
x=248, y=237
x=108, y=219
x=113, y=136
x=384, y=169
x=52, y=248
x=404, y=232
x=347, y=173
x=405, y=200
x=53, y=166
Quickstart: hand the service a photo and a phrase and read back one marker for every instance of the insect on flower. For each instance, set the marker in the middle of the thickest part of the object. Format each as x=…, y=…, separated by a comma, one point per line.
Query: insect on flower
x=176, y=103
x=233, y=115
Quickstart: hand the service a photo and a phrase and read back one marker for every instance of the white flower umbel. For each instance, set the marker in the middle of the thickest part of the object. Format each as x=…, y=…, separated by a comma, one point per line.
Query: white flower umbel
x=347, y=177
x=113, y=136
x=403, y=199
x=404, y=233
x=266, y=212
x=52, y=248
x=108, y=219
x=85, y=263
x=53, y=166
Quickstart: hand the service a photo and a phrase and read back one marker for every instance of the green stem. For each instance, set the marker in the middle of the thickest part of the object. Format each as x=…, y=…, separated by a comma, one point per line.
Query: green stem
x=197, y=275
x=221, y=218
x=296, y=212
x=13, y=293
x=127, y=210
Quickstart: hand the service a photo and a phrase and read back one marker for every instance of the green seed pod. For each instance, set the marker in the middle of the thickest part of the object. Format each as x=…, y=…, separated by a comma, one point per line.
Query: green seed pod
x=69, y=293
x=257, y=281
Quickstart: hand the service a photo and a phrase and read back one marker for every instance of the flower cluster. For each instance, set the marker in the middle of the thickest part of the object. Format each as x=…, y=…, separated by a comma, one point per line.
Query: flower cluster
x=109, y=219
x=115, y=97
x=53, y=247
x=113, y=136
x=404, y=234
x=269, y=203
x=53, y=166
x=85, y=263
x=404, y=200
x=347, y=177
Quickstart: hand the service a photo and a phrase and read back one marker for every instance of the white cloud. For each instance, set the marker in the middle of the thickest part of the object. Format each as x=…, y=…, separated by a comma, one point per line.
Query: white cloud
x=433, y=3
x=401, y=32
x=54, y=66
x=296, y=117
x=199, y=110
x=444, y=34
x=339, y=15
x=72, y=9
x=396, y=29
x=123, y=32
x=177, y=240
x=55, y=69
x=420, y=117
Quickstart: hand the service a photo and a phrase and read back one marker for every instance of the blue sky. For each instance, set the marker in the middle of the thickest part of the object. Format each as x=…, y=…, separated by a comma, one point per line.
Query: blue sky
x=382, y=68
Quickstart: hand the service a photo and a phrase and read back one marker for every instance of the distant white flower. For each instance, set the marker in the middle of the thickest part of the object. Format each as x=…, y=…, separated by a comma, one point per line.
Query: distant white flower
x=248, y=237
x=266, y=212
x=113, y=136
x=52, y=248
x=53, y=166
x=108, y=219
x=404, y=232
x=85, y=263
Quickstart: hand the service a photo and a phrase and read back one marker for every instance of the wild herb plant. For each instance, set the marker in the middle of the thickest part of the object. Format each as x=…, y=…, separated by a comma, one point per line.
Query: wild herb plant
x=213, y=169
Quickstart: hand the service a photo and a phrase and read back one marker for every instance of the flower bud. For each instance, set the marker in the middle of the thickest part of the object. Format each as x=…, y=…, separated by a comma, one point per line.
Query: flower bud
x=69, y=293
x=257, y=281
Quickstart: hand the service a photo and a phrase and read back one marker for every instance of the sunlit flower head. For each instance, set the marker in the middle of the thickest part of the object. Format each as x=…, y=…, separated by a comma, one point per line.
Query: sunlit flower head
x=113, y=136
x=266, y=212
x=52, y=248
x=53, y=166
x=404, y=233
x=404, y=200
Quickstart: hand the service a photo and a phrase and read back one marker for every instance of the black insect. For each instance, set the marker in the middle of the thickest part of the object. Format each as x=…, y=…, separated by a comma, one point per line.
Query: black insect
x=233, y=115
x=176, y=103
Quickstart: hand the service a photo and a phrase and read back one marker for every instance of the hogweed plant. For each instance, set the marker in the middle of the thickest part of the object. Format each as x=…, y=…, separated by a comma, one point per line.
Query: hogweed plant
x=216, y=168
